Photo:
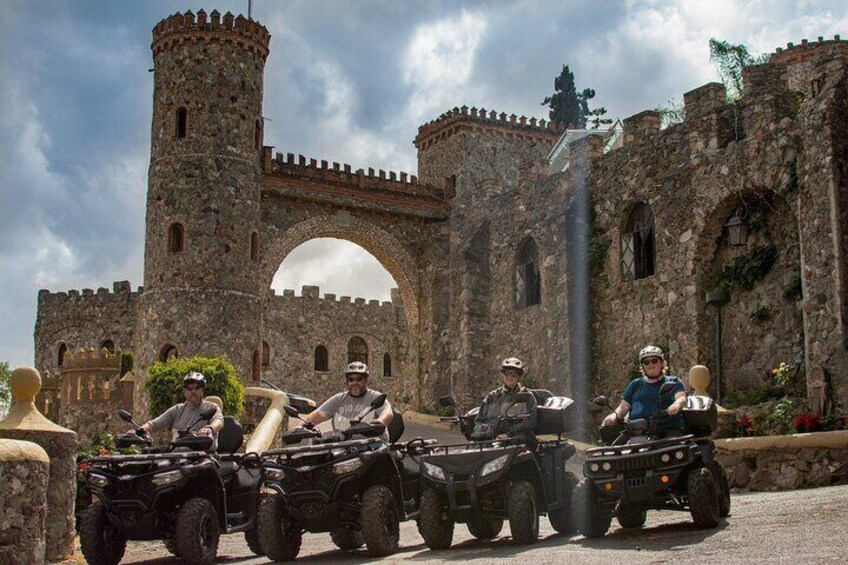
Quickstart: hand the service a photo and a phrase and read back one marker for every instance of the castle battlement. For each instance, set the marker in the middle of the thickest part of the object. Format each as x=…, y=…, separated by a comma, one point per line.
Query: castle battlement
x=121, y=289
x=310, y=294
x=793, y=53
x=242, y=31
x=487, y=122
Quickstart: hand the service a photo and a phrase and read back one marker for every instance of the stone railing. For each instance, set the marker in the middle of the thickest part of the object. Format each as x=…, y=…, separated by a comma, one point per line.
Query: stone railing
x=24, y=472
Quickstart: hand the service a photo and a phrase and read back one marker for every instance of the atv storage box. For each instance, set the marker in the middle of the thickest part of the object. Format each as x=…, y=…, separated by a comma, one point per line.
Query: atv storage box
x=700, y=415
x=555, y=416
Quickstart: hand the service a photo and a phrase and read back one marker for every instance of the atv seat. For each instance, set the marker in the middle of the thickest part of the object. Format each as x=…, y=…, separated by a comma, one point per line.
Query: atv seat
x=554, y=416
x=541, y=395
x=231, y=436
x=700, y=415
x=396, y=426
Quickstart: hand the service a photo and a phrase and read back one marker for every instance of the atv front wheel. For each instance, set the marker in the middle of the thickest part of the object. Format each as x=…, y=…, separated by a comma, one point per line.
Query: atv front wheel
x=379, y=519
x=434, y=526
x=720, y=477
x=171, y=546
x=523, y=513
x=484, y=528
x=347, y=539
x=279, y=537
x=251, y=537
x=562, y=520
x=590, y=518
x=631, y=516
x=197, y=532
x=703, y=498
x=101, y=543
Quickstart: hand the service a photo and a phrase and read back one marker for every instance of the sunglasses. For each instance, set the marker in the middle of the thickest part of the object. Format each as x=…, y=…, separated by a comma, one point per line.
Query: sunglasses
x=356, y=379
x=192, y=387
x=651, y=361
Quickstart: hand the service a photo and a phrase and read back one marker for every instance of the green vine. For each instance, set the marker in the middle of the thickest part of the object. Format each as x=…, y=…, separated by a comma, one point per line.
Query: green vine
x=598, y=249
x=760, y=314
x=793, y=291
x=749, y=268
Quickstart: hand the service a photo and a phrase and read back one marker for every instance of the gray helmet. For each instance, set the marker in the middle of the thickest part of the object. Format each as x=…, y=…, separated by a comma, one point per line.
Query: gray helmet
x=651, y=351
x=193, y=378
x=357, y=367
x=513, y=364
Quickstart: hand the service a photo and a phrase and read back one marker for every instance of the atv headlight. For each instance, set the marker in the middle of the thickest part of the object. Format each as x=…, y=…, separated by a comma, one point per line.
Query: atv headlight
x=494, y=465
x=164, y=463
x=274, y=473
x=346, y=467
x=339, y=452
x=97, y=480
x=679, y=455
x=168, y=478
x=594, y=467
x=607, y=466
x=665, y=457
x=434, y=471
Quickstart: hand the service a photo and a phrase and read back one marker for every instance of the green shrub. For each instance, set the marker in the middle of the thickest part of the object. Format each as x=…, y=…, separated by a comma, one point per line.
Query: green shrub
x=164, y=384
x=747, y=269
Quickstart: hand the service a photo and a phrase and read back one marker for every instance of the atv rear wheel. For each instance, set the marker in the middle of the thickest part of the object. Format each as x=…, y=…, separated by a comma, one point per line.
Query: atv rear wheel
x=720, y=477
x=379, y=520
x=482, y=527
x=589, y=516
x=703, y=497
x=562, y=520
x=433, y=523
x=101, y=543
x=347, y=539
x=197, y=532
x=631, y=516
x=279, y=537
x=523, y=513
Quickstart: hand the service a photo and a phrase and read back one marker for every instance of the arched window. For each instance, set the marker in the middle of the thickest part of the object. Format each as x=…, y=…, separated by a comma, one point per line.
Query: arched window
x=254, y=246
x=638, y=259
x=257, y=366
x=387, y=365
x=181, y=123
x=167, y=353
x=176, y=238
x=60, y=355
x=357, y=350
x=322, y=359
x=266, y=354
x=108, y=345
x=528, y=282
x=257, y=135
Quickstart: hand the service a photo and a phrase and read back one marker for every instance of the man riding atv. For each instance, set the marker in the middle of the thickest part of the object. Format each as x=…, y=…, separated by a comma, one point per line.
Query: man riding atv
x=502, y=402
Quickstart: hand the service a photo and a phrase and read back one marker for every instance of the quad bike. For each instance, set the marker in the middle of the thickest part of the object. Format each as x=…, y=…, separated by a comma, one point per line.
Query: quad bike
x=349, y=483
x=486, y=482
x=638, y=470
x=179, y=493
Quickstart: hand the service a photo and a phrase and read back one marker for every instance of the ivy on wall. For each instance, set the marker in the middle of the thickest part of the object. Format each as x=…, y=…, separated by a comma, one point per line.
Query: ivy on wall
x=747, y=269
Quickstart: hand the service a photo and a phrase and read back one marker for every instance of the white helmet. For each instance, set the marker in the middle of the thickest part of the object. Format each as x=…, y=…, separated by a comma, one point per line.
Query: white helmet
x=514, y=364
x=194, y=378
x=357, y=367
x=651, y=351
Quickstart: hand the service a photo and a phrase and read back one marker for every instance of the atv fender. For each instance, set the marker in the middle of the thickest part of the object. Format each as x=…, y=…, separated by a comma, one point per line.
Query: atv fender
x=384, y=471
x=205, y=482
x=529, y=470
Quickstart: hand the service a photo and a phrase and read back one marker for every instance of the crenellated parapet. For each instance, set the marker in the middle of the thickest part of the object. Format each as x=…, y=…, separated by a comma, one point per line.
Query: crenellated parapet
x=239, y=30
x=806, y=50
x=487, y=122
x=793, y=68
x=310, y=297
x=120, y=289
x=316, y=180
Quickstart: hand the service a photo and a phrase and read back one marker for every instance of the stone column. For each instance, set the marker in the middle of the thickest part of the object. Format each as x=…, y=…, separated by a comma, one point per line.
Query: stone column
x=25, y=422
x=24, y=472
x=699, y=380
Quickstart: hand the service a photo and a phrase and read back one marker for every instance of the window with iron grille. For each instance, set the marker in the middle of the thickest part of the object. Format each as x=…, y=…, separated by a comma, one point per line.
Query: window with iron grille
x=638, y=242
x=528, y=280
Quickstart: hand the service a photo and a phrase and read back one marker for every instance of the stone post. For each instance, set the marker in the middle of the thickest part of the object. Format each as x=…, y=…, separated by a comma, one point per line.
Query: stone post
x=25, y=422
x=699, y=380
x=24, y=472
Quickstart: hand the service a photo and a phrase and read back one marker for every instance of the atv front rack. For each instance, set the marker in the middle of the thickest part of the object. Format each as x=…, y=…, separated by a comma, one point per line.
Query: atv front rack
x=615, y=450
x=289, y=451
x=149, y=457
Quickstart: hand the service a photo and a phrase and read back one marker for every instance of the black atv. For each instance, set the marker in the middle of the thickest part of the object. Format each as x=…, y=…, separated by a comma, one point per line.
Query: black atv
x=486, y=482
x=179, y=493
x=639, y=470
x=349, y=483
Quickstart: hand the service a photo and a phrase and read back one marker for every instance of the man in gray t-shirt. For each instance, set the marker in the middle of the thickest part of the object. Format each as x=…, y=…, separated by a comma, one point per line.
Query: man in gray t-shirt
x=180, y=416
x=353, y=403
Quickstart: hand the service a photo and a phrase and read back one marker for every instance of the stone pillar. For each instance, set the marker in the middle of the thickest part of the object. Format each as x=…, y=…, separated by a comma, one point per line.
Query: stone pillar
x=24, y=472
x=699, y=380
x=25, y=422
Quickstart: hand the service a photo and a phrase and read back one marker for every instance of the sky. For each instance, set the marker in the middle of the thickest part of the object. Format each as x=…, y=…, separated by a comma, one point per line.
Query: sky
x=346, y=81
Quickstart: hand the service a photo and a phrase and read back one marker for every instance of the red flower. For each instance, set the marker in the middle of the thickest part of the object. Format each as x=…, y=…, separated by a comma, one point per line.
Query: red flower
x=83, y=468
x=808, y=423
x=745, y=426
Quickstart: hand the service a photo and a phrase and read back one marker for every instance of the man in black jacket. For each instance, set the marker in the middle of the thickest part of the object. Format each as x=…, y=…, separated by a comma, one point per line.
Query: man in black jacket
x=501, y=403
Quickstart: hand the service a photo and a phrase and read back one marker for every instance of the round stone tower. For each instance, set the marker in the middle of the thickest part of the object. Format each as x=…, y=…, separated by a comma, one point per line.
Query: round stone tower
x=201, y=259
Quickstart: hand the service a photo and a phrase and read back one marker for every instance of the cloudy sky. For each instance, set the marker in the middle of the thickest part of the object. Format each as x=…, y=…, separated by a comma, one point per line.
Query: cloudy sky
x=346, y=81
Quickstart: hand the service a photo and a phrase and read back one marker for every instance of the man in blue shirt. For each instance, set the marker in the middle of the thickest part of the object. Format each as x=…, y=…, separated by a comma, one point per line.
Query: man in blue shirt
x=641, y=397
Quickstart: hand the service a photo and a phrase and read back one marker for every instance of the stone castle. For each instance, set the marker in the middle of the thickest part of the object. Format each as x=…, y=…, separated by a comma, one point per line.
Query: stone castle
x=569, y=249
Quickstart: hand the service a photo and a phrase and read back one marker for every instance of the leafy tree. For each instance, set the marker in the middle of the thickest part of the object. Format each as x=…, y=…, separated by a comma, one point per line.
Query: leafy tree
x=5, y=387
x=730, y=59
x=570, y=107
x=672, y=113
x=164, y=383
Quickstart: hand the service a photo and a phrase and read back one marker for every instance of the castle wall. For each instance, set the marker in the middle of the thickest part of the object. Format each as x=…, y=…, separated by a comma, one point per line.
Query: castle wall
x=295, y=325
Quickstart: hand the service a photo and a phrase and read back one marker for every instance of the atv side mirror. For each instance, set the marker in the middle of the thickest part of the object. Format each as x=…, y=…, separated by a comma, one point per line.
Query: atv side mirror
x=667, y=387
x=209, y=413
x=291, y=411
x=379, y=401
x=601, y=401
x=124, y=415
x=447, y=401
